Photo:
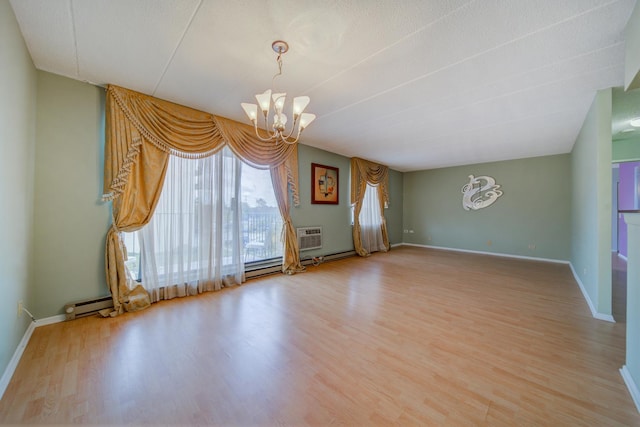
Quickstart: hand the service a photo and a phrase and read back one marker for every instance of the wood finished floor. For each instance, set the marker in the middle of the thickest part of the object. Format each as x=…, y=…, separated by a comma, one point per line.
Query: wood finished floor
x=412, y=337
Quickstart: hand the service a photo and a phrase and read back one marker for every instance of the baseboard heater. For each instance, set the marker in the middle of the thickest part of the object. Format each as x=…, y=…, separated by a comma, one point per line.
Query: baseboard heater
x=87, y=307
x=263, y=271
x=331, y=257
x=278, y=268
x=91, y=307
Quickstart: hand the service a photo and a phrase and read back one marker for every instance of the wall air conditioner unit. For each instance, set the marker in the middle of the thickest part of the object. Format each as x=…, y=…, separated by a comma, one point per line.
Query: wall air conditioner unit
x=309, y=238
x=88, y=307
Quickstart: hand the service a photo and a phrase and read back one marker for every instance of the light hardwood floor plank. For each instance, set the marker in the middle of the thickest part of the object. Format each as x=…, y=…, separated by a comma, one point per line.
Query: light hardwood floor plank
x=412, y=337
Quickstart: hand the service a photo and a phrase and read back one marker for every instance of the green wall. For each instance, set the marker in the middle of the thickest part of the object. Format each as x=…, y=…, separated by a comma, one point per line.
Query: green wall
x=627, y=150
x=393, y=214
x=336, y=219
x=17, y=146
x=534, y=209
x=591, y=201
x=70, y=220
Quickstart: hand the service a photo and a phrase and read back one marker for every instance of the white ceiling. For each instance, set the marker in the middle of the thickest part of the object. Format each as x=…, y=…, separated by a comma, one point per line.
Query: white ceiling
x=414, y=84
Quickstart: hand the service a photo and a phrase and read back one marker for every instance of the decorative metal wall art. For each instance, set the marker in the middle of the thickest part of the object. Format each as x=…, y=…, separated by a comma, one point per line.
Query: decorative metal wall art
x=479, y=192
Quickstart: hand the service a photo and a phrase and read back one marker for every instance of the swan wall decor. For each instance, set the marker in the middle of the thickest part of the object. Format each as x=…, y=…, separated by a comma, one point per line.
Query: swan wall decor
x=480, y=192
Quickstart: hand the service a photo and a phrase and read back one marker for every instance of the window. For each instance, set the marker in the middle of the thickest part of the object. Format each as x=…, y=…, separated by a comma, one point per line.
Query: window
x=196, y=220
x=371, y=221
x=133, y=254
x=261, y=220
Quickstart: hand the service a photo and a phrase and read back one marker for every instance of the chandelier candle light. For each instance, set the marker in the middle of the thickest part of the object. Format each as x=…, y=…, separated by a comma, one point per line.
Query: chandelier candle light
x=278, y=132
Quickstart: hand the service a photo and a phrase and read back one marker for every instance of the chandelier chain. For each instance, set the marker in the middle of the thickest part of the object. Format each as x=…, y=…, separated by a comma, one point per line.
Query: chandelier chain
x=279, y=73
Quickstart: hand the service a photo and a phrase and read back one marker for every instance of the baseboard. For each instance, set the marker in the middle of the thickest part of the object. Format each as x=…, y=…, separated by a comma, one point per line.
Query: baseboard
x=594, y=312
x=277, y=268
x=330, y=257
x=50, y=320
x=395, y=245
x=339, y=255
x=622, y=256
x=605, y=317
x=13, y=363
x=17, y=355
x=631, y=385
x=585, y=294
x=498, y=254
x=263, y=271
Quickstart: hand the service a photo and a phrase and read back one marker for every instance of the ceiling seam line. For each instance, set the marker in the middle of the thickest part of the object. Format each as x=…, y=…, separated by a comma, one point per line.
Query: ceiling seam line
x=507, y=94
x=469, y=58
x=75, y=38
x=591, y=71
x=175, y=50
x=495, y=123
x=400, y=40
x=434, y=139
x=450, y=110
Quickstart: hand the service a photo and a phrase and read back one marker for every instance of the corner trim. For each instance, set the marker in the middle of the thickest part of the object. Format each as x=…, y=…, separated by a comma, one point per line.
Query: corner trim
x=498, y=254
x=17, y=355
x=585, y=294
x=631, y=385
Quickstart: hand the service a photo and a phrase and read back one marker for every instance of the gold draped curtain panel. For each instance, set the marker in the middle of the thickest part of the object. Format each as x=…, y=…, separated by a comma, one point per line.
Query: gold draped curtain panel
x=141, y=133
x=364, y=172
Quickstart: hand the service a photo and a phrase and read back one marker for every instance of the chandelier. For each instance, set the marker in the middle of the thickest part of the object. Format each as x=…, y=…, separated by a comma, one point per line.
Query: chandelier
x=278, y=132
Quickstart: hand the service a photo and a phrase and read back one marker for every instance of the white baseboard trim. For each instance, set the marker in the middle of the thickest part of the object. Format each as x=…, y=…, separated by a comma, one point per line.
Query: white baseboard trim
x=50, y=320
x=585, y=294
x=594, y=312
x=605, y=317
x=17, y=355
x=622, y=256
x=631, y=385
x=498, y=254
x=395, y=245
x=13, y=363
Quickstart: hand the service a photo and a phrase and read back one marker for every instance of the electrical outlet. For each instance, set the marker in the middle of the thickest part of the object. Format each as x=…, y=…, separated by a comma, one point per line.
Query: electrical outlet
x=532, y=247
x=489, y=242
x=410, y=231
x=406, y=231
x=20, y=307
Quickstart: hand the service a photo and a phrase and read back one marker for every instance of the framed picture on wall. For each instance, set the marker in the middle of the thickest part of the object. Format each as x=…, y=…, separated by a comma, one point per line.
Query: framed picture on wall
x=324, y=184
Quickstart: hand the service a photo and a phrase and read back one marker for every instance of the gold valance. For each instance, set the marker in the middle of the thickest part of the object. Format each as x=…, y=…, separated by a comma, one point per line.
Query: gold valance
x=364, y=172
x=370, y=172
x=181, y=131
x=141, y=133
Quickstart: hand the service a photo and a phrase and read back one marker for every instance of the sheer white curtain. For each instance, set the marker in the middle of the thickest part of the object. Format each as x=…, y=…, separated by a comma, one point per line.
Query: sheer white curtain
x=193, y=243
x=371, y=221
